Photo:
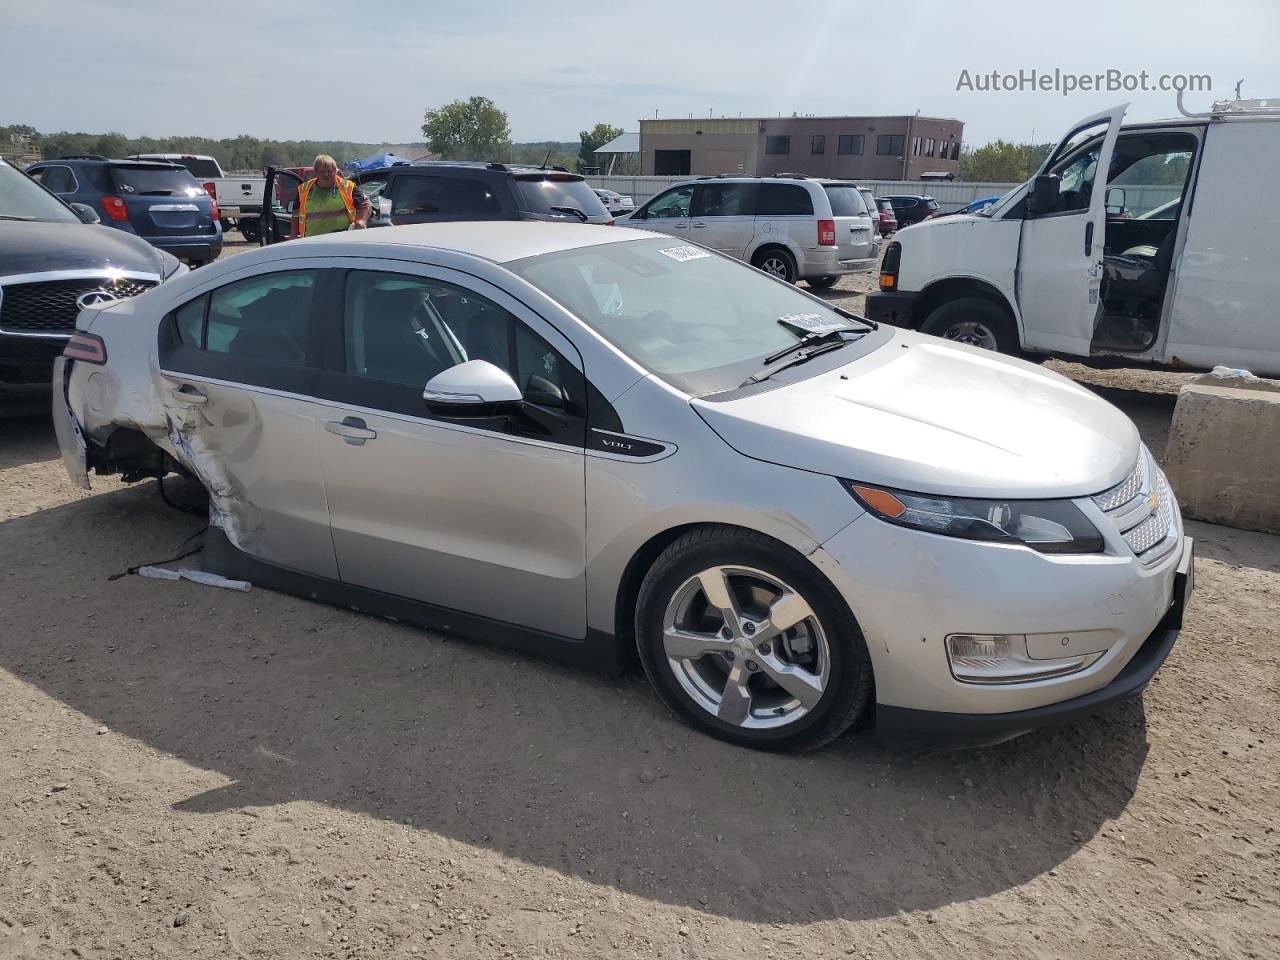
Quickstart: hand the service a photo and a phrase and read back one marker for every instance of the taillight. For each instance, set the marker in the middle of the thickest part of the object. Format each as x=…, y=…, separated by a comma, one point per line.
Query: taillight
x=114, y=206
x=213, y=205
x=212, y=190
x=826, y=233
x=86, y=347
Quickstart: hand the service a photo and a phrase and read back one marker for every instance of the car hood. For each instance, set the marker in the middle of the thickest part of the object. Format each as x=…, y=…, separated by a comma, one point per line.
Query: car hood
x=925, y=415
x=27, y=247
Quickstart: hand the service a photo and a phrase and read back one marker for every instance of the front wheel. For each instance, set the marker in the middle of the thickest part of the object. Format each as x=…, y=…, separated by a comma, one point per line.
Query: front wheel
x=777, y=263
x=974, y=321
x=743, y=638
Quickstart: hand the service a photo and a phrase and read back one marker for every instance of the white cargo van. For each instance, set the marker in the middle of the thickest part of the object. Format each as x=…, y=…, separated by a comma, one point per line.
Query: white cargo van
x=1175, y=259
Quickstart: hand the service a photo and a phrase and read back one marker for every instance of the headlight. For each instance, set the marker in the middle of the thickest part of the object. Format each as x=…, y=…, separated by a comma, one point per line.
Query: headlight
x=1049, y=526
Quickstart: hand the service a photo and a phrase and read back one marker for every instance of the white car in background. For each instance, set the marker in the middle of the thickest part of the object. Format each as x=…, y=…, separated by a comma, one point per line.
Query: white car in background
x=594, y=443
x=616, y=203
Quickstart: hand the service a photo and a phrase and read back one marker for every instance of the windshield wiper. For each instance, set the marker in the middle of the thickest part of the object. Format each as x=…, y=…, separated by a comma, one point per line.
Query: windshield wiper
x=870, y=324
x=9, y=216
x=819, y=343
x=577, y=212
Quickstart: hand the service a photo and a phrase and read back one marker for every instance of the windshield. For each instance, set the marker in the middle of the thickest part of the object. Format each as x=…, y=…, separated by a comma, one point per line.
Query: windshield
x=543, y=194
x=846, y=201
x=156, y=181
x=21, y=198
x=700, y=321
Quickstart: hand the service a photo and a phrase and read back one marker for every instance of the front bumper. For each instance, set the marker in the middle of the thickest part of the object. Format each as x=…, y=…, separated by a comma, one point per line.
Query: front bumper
x=938, y=729
x=26, y=362
x=894, y=307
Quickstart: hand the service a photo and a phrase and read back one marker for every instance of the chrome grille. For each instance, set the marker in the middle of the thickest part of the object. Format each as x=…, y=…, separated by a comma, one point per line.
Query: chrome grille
x=1143, y=508
x=49, y=306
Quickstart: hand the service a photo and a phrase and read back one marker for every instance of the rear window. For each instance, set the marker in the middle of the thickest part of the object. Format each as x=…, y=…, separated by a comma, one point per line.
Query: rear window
x=783, y=200
x=846, y=201
x=539, y=194
x=157, y=182
x=931, y=203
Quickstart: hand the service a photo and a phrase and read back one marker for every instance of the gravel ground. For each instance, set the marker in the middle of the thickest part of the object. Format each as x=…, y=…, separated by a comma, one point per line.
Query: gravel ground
x=192, y=773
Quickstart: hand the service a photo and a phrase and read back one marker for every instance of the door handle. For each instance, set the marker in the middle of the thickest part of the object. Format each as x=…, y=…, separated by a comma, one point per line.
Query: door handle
x=190, y=396
x=1088, y=238
x=352, y=429
x=698, y=226
x=681, y=226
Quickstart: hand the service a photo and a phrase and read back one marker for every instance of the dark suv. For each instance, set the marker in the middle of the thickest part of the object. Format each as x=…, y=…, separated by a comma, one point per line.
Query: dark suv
x=442, y=191
x=912, y=209
x=52, y=262
x=156, y=200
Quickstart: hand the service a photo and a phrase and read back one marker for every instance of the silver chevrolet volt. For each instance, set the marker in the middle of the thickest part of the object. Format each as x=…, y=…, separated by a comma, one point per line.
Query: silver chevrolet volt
x=602, y=444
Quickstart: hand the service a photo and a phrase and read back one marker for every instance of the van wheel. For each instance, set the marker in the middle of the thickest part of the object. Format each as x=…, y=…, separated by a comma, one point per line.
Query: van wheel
x=743, y=638
x=821, y=283
x=974, y=321
x=777, y=263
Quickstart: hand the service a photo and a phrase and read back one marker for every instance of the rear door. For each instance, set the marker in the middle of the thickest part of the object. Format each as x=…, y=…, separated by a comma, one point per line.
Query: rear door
x=163, y=200
x=418, y=198
x=784, y=212
x=1060, y=251
x=856, y=237
x=279, y=203
x=724, y=217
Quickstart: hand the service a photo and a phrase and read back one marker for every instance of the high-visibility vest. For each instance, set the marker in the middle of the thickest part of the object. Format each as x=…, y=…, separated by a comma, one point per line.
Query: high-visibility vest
x=346, y=190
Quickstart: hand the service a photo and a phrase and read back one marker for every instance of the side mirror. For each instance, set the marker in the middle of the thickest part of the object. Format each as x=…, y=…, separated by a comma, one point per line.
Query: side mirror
x=1115, y=201
x=1043, y=197
x=474, y=383
x=86, y=213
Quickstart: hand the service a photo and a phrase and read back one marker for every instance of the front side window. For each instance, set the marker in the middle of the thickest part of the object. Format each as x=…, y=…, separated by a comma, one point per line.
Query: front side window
x=777, y=145
x=699, y=320
x=818, y=144
x=889, y=145
x=264, y=318
x=725, y=200
x=405, y=330
x=850, y=144
x=674, y=203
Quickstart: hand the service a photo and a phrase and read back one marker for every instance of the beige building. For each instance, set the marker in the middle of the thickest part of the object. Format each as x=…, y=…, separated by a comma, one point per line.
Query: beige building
x=853, y=148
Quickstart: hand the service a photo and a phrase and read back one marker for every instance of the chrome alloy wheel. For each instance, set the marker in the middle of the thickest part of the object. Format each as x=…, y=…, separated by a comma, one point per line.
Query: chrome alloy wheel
x=775, y=266
x=974, y=333
x=746, y=647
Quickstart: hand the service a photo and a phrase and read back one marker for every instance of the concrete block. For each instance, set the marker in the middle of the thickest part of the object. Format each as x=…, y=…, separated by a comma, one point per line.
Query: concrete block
x=1223, y=456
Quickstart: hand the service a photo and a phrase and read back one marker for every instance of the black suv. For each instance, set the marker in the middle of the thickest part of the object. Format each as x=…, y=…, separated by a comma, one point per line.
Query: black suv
x=912, y=209
x=53, y=262
x=450, y=190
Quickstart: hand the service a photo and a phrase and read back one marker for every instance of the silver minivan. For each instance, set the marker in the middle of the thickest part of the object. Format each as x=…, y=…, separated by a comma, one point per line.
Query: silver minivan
x=790, y=226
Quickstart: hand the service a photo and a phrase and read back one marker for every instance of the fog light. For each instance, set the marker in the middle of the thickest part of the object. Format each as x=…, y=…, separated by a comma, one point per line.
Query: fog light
x=1002, y=658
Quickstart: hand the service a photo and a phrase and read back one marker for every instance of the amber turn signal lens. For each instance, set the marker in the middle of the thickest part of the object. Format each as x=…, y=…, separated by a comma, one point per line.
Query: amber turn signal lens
x=881, y=501
x=888, y=281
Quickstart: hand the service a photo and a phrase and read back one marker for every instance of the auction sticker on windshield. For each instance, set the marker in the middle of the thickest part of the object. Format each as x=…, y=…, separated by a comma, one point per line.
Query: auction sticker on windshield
x=813, y=323
x=684, y=253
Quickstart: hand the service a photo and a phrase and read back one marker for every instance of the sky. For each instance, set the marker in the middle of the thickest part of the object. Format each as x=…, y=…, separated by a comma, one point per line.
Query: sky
x=326, y=70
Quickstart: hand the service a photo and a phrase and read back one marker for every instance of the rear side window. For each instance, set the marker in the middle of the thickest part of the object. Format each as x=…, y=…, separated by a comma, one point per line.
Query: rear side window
x=263, y=318
x=783, y=200
x=58, y=179
x=725, y=200
x=540, y=194
x=473, y=200
x=419, y=197
x=156, y=182
x=846, y=201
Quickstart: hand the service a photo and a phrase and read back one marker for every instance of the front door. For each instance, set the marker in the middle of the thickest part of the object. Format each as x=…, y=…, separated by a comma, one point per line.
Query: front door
x=667, y=212
x=1060, y=250
x=724, y=217
x=482, y=513
x=279, y=204
x=238, y=367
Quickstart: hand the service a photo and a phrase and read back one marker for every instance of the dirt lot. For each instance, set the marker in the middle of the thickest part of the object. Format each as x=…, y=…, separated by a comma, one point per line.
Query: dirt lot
x=192, y=773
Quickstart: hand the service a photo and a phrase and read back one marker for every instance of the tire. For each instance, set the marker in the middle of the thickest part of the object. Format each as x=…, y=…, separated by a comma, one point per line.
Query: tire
x=776, y=262
x=726, y=687
x=975, y=321
x=821, y=283
x=249, y=229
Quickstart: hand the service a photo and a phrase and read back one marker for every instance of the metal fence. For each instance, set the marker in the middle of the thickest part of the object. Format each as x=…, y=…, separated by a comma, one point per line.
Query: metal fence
x=951, y=195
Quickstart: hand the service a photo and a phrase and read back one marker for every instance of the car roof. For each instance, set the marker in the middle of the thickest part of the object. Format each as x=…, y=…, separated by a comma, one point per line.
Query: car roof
x=501, y=241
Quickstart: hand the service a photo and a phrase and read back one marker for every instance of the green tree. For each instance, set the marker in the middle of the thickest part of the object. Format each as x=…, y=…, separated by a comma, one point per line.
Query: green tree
x=592, y=140
x=1002, y=161
x=473, y=129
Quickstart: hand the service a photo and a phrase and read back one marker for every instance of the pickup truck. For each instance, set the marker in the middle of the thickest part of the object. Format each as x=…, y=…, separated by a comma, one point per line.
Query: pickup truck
x=239, y=199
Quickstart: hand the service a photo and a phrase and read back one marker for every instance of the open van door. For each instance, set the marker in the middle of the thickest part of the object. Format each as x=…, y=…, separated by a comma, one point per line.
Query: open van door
x=279, y=201
x=1061, y=244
